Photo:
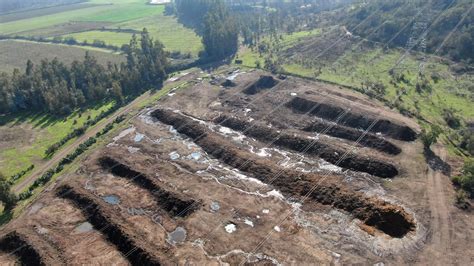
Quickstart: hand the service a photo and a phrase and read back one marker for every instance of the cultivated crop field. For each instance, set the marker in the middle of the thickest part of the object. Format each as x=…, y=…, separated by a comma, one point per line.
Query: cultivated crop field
x=15, y=54
x=111, y=22
x=304, y=188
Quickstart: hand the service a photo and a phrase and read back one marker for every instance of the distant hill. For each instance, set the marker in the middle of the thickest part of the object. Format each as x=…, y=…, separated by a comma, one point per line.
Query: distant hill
x=441, y=16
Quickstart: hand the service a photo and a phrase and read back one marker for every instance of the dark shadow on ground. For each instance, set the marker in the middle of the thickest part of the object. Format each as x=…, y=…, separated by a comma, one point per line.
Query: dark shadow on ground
x=43, y=119
x=5, y=217
x=436, y=163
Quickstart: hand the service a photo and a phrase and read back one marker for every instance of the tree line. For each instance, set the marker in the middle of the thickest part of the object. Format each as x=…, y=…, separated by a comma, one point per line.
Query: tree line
x=56, y=88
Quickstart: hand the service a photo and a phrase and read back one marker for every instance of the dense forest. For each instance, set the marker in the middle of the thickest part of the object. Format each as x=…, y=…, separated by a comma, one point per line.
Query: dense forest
x=438, y=17
x=56, y=88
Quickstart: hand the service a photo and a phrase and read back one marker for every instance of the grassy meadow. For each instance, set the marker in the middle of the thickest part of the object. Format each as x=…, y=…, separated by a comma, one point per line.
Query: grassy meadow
x=24, y=138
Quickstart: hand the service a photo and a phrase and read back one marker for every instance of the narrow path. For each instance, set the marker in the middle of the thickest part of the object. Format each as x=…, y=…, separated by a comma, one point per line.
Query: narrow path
x=440, y=205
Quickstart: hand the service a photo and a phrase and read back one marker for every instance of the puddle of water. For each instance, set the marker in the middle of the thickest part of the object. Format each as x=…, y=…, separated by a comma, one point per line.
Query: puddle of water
x=174, y=155
x=83, y=228
x=196, y=155
x=230, y=228
x=41, y=230
x=215, y=206
x=177, y=236
x=138, y=137
x=35, y=208
x=263, y=153
x=111, y=199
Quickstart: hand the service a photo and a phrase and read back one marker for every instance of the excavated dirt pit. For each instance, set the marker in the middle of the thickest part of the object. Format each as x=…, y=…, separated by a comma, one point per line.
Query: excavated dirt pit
x=331, y=112
x=14, y=243
x=168, y=201
x=263, y=83
x=239, y=174
x=381, y=215
x=299, y=144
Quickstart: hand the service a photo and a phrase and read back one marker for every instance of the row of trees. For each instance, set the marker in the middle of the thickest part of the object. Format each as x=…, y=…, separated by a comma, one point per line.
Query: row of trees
x=57, y=88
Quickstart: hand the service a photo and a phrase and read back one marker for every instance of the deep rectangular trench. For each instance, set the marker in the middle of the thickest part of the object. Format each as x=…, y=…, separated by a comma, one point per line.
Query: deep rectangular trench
x=172, y=203
x=297, y=143
x=331, y=113
x=18, y=244
x=134, y=249
x=390, y=219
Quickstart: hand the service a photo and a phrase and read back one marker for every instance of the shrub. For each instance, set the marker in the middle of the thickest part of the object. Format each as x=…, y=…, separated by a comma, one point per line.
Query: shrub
x=430, y=136
x=451, y=118
x=466, y=180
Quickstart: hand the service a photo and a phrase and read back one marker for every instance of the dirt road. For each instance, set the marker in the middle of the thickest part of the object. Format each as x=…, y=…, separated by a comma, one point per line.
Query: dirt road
x=40, y=169
x=440, y=206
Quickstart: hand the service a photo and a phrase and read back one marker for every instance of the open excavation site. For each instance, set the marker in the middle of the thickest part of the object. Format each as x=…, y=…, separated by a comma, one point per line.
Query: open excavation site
x=242, y=168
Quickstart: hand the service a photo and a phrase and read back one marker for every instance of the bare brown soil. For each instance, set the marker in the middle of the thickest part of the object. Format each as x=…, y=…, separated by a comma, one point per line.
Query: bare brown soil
x=214, y=175
x=331, y=112
x=309, y=146
x=388, y=218
x=169, y=201
x=99, y=215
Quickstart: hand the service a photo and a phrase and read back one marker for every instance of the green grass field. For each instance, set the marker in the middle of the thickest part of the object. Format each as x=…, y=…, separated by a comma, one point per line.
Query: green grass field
x=121, y=14
x=24, y=139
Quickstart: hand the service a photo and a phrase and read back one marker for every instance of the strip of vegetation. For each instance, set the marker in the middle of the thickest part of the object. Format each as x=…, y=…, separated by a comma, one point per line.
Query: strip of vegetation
x=61, y=40
x=80, y=131
x=46, y=177
x=465, y=183
x=19, y=175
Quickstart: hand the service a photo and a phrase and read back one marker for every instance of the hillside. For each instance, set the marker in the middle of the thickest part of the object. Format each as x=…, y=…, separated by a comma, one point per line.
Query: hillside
x=440, y=18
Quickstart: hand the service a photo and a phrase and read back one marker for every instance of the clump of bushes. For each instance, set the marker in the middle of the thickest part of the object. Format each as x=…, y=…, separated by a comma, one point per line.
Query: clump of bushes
x=451, y=119
x=19, y=175
x=7, y=197
x=430, y=136
x=465, y=181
